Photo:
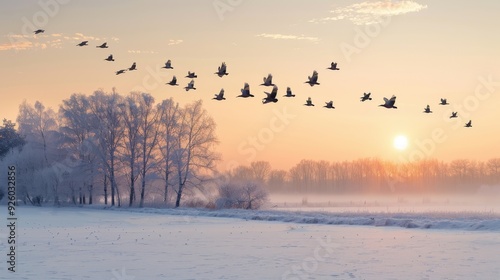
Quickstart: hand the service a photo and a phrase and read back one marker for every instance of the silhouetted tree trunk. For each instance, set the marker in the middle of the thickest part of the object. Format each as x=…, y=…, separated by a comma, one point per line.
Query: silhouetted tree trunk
x=105, y=189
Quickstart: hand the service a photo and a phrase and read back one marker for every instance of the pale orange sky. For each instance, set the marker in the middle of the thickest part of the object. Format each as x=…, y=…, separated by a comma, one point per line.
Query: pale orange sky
x=419, y=51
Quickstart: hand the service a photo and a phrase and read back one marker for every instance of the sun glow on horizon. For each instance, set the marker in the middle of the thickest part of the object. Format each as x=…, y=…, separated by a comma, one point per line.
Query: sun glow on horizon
x=401, y=142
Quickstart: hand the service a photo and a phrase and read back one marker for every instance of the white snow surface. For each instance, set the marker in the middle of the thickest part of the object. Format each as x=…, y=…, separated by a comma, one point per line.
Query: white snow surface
x=91, y=243
x=427, y=220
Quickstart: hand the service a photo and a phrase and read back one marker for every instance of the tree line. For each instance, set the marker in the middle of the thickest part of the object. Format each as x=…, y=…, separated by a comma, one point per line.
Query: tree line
x=373, y=175
x=115, y=148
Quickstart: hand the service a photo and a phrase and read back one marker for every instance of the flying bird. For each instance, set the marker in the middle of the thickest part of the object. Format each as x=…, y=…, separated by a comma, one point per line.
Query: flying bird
x=268, y=81
x=333, y=66
x=83, y=43
x=191, y=75
x=190, y=85
x=443, y=102
x=329, y=105
x=469, y=124
x=427, y=109
x=103, y=46
x=309, y=102
x=271, y=97
x=168, y=65
x=245, y=91
x=220, y=95
x=453, y=115
x=366, y=96
x=173, y=82
x=289, y=93
x=133, y=67
x=313, y=80
x=38, y=31
x=389, y=103
x=222, y=71
x=120, y=71
x=110, y=58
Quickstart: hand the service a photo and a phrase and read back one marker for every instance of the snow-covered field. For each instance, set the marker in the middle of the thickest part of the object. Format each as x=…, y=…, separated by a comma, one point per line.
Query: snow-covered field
x=119, y=244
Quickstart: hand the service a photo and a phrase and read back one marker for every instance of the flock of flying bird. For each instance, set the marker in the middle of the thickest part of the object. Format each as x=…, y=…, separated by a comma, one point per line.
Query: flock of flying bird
x=267, y=81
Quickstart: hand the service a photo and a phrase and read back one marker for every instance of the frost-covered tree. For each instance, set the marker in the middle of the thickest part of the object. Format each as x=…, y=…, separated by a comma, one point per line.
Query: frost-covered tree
x=107, y=120
x=39, y=126
x=9, y=138
x=76, y=127
x=194, y=155
x=131, y=139
x=245, y=195
x=148, y=116
x=169, y=127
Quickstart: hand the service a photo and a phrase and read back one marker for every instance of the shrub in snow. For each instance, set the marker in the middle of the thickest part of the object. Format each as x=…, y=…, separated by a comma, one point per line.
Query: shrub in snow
x=195, y=203
x=244, y=196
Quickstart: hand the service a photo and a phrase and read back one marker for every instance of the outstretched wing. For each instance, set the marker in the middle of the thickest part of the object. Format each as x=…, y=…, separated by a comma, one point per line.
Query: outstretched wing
x=392, y=100
x=274, y=92
x=314, y=77
x=269, y=79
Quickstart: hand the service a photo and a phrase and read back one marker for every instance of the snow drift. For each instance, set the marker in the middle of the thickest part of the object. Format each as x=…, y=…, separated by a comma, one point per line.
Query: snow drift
x=484, y=221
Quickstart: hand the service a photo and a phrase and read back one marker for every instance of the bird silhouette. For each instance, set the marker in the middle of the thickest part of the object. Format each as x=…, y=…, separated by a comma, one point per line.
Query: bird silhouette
x=120, y=71
x=83, y=43
x=245, y=91
x=271, y=97
x=366, y=96
x=333, y=66
x=443, y=102
x=110, y=58
x=38, y=31
x=453, y=115
x=173, y=82
x=313, y=80
x=222, y=70
x=191, y=75
x=103, y=46
x=389, y=103
x=268, y=81
x=289, y=93
x=329, y=105
x=168, y=65
x=220, y=96
x=469, y=124
x=427, y=109
x=133, y=67
x=190, y=85
x=309, y=102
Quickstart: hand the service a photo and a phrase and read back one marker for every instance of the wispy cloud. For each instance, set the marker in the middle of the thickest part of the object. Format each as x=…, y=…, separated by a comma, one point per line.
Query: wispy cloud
x=141, y=52
x=172, y=42
x=21, y=42
x=287, y=37
x=370, y=12
x=16, y=46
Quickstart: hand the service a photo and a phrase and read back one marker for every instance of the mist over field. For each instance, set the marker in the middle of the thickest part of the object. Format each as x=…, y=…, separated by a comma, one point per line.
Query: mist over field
x=235, y=139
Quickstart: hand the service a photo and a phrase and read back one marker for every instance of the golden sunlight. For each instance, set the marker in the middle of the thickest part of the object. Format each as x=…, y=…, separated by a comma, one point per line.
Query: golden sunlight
x=400, y=142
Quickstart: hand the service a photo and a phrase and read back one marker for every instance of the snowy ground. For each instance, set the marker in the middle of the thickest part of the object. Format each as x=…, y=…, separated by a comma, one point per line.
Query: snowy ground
x=81, y=243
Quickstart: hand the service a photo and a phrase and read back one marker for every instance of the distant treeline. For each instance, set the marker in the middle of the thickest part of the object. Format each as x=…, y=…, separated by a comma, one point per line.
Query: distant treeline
x=372, y=175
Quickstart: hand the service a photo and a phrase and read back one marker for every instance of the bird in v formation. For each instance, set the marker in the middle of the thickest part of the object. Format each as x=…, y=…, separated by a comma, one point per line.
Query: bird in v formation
x=267, y=81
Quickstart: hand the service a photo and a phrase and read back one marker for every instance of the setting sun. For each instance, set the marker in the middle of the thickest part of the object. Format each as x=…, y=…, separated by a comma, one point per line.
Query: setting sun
x=400, y=142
